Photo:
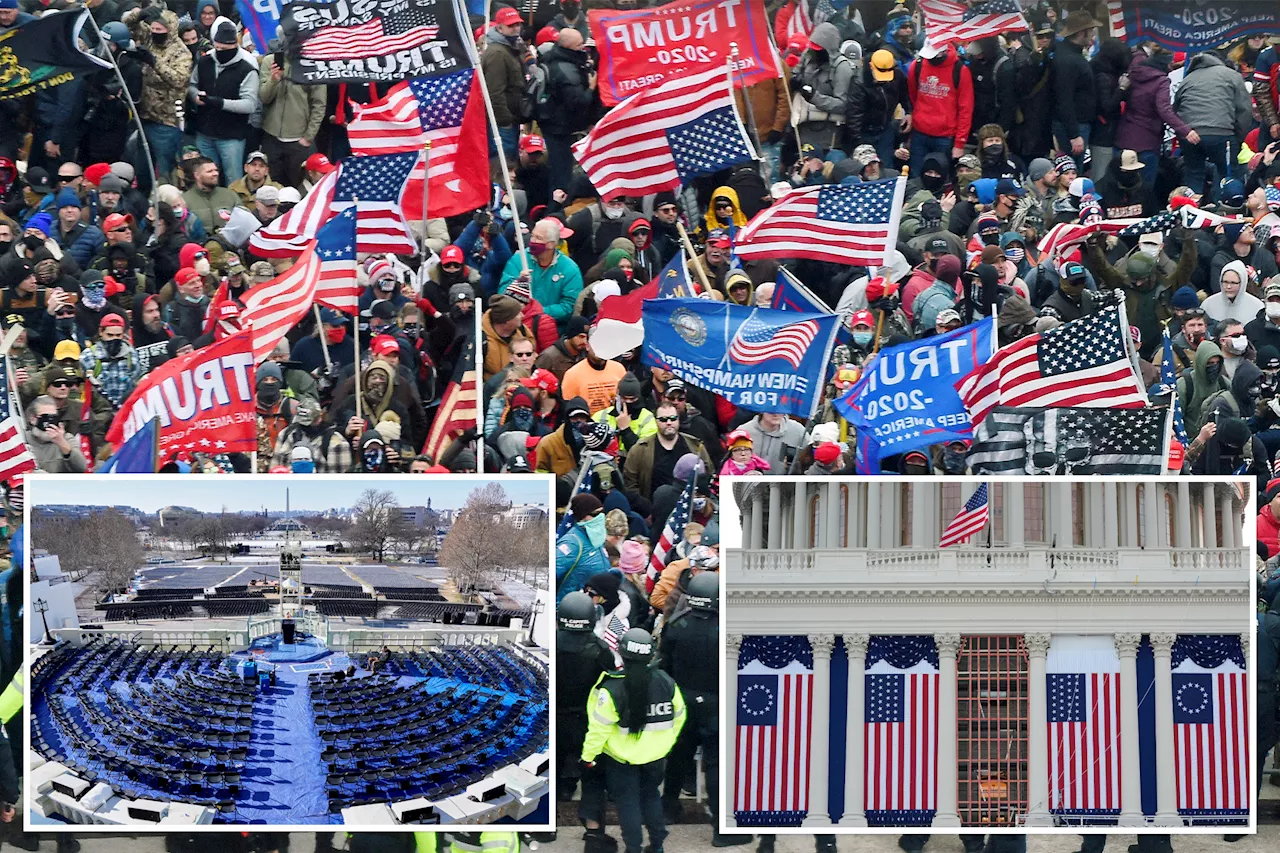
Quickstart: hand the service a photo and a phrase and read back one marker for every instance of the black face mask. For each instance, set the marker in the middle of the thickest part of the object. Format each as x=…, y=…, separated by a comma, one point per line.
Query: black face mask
x=994, y=154
x=225, y=56
x=1213, y=371
x=268, y=393
x=113, y=347
x=569, y=9
x=932, y=183
x=5, y=245
x=953, y=461
x=159, y=39
x=633, y=409
x=66, y=324
x=938, y=60
x=411, y=330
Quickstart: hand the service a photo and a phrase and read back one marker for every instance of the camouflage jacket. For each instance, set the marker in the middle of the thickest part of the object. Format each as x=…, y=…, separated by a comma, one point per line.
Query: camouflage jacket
x=165, y=83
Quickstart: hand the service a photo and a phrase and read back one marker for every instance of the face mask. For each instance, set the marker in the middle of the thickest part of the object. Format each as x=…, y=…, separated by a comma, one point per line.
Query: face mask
x=1213, y=371
x=376, y=392
x=569, y=9
x=94, y=297
x=633, y=409
x=268, y=393
x=595, y=529
x=113, y=347
x=992, y=239
x=932, y=183
x=303, y=466
x=1151, y=250
x=159, y=39
x=411, y=330
x=373, y=459
x=47, y=271
x=304, y=416
x=225, y=56
x=1239, y=345
x=938, y=60
x=953, y=461
x=201, y=265
x=699, y=504
x=1273, y=310
x=193, y=300
x=1015, y=254
x=614, y=212
x=538, y=248
x=522, y=419
x=994, y=154
x=336, y=336
x=67, y=324
x=862, y=338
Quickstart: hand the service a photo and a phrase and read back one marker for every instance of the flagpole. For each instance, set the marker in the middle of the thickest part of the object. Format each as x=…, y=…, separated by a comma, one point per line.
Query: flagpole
x=693, y=258
x=426, y=194
x=746, y=99
x=133, y=108
x=324, y=342
x=356, y=344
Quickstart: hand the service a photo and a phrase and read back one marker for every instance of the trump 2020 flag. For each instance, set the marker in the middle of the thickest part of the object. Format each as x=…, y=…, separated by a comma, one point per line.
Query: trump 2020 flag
x=901, y=730
x=758, y=358
x=1083, y=675
x=1212, y=749
x=774, y=723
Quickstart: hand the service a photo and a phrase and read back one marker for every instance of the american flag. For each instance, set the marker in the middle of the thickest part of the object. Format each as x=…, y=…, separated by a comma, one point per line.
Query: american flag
x=1162, y=221
x=1212, y=747
x=1170, y=382
x=274, y=307
x=1084, y=363
x=1115, y=13
x=1084, y=741
x=336, y=247
x=446, y=111
x=457, y=411
x=790, y=294
x=774, y=724
x=611, y=631
x=1070, y=441
x=15, y=456
x=387, y=34
x=799, y=22
x=662, y=138
x=855, y=225
x=760, y=339
x=971, y=518
x=1194, y=217
x=672, y=534
x=901, y=772
x=378, y=182
x=1064, y=235
x=951, y=22
x=567, y=520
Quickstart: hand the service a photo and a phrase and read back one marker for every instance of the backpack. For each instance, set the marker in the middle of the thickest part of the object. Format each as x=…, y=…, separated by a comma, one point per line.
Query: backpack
x=533, y=101
x=955, y=74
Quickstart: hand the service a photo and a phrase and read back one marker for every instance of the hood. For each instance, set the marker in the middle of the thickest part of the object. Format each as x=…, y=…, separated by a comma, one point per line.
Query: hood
x=571, y=404
x=170, y=21
x=1016, y=311
x=1246, y=374
x=1113, y=56
x=1207, y=350
x=1146, y=72
x=240, y=226
x=827, y=37
x=891, y=28
x=368, y=438
x=241, y=53
x=939, y=162
x=739, y=218
x=1240, y=270
x=127, y=250
x=200, y=4
x=1204, y=60
x=142, y=337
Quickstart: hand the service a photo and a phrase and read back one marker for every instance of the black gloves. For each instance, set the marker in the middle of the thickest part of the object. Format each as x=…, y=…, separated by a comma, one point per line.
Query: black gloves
x=213, y=101
x=773, y=137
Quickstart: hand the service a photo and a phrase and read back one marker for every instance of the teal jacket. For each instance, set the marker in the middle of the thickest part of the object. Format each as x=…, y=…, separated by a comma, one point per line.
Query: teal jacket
x=556, y=287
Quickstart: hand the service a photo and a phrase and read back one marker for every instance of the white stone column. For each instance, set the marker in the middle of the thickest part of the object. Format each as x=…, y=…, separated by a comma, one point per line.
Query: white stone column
x=948, y=787
x=733, y=646
x=1230, y=526
x=1130, y=759
x=1063, y=517
x=775, y=516
x=1152, y=508
x=1015, y=519
x=873, y=515
x=1095, y=516
x=919, y=515
x=1129, y=510
x=1210, y=516
x=799, y=516
x=1166, y=793
x=1111, y=516
x=855, y=732
x=820, y=743
x=1183, y=514
x=757, y=521
x=1038, y=731
x=831, y=512
x=747, y=509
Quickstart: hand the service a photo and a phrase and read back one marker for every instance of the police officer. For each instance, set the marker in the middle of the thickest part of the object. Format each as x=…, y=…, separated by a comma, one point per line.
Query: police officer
x=488, y=841
x=581, y=657
x=689, y=653
x=634, y=718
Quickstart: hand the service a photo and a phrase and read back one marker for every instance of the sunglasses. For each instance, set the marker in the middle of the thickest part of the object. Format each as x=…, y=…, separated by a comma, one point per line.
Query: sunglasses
x=677, y=396
x=723, y=205
x=198, y=255
x=63, y=383
x=522, y=355
x=667, y=420
x=123, y=229
x=68, y=177
x=641, y=232
x=70, y=313
x=666, y=208
x=451, y=267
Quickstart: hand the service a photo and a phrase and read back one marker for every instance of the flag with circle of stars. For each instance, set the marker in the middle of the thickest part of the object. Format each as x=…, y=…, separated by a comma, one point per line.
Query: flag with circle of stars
x=1192, y=697
x=338, y=286
x=375, y=187
x=707, y=144
x=757, y=700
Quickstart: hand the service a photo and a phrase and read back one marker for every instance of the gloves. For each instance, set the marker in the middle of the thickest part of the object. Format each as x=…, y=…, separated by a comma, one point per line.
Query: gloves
x=213, y=101
x=806, y=92
x=495, y=229
x=481, y=218
x=773, y=137
x=145, y=55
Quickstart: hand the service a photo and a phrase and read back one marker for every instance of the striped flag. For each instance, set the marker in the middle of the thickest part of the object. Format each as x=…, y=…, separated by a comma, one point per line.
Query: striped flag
x=567, y=520
x=1212, y=747
x=799, y=23
x=854, y=225
x=15, y=456
x=1085, y=363
x=274, y=307
x=1170, y=382
x=1070, y=441
x=662, y=138
x=374, y=186
x=951, y=22
x=1083, y=696
x=457, y=411
x=762, y=338
x=901, y=770
x=1067, y=234
x=1194, y=217
x=1115, y=14
x=1162, y=221
x=672, y=534
x=336, y=248
x=388, y=34
x=971, y=518
x=446, y=111
x=774, y=725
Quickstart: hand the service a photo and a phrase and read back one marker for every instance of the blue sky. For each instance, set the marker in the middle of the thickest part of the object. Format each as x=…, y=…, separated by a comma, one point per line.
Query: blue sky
x=240, y=493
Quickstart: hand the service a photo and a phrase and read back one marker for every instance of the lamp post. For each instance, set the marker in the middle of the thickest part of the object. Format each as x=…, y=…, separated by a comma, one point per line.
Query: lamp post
x=42, y=607
x=533, y=618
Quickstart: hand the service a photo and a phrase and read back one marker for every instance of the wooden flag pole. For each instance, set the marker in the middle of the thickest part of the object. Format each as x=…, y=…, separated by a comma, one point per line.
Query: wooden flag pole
x=693, y=258
x=324, y=340
x=355, y=338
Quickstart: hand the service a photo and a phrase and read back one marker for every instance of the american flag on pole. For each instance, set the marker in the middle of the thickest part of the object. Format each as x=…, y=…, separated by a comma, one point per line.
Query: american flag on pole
x=901, y=770
x=446, y=111
x=457, y=411
x=845, y=224
x=971, y=518
x=1067, y=234
x=799, y=23
x=274, y=307
x=1083, y=696
x=1212, y=747
x=1169, y=379
x=378, y=182
x=1071, y=441
x=1085, y=363
x=761, y=338
x=661, y=138
x=774, y=724
x=951, y=22
x=387, y=34
x=672, y=534
x=15, y=456
x=336, y=248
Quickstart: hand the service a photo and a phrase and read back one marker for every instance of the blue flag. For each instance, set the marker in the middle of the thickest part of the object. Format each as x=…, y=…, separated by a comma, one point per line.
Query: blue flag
x=790, y=294
x=757, y=358
x=138, y=454
x=673, y=281
x=1170, y=382
x=260, y=18
x=906, y=398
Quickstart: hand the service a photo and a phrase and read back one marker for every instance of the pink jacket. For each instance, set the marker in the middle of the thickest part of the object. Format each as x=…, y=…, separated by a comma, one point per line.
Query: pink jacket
x=734, y=469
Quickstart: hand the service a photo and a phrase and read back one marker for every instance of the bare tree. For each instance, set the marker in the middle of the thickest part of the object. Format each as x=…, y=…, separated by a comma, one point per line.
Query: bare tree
x=482, y=543
x=213, y=533
x=104, y=545
x=379, y=524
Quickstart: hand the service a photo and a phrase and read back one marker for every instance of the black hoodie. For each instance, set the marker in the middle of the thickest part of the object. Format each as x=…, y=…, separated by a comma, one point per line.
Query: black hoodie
x=141, y=336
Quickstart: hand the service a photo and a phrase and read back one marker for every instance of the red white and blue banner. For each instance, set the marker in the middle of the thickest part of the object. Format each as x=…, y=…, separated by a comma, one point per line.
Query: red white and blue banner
x=1211, y=743
x=901, y=726
x=774, y=722
x=1190, y=25
x=1083, y=701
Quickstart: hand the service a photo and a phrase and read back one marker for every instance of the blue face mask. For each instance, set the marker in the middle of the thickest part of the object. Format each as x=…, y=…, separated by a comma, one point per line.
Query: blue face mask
x=595, y=530
x=303, y=466
x=373, y=460
x=522, y=419
x=862, y=338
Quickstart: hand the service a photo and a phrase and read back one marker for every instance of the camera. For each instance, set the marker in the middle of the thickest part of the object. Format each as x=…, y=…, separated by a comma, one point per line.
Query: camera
x=47, y=420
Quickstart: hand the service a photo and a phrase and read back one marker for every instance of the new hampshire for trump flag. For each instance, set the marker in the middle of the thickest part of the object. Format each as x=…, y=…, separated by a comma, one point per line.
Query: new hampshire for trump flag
x=758, y=358
x=774, y=720
x=901, y=731
x=1212, y=750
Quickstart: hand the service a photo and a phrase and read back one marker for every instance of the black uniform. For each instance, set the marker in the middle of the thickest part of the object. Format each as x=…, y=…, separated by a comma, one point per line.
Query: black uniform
x=689, y=652
x=580, y=658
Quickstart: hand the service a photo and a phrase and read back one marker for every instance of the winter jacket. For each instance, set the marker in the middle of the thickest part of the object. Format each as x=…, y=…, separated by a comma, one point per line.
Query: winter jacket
x=1074, y=92
x=231, y=94
x=1243, y=308
x=165, y=83
x=930, y=303
x=1024, y=86
x=829, y=73
x=1269, y=531
x=1108, y=65
x=1196, y=389
x=982, y=69
x=504, y=77
x=81, y=242
x=1263, y=264
x=940, y=106
x=769, y=105
x=289, y=110
x=497, y=349
x=1147, y=109
x=1266, y=85
x=569, y=99
x=776, y=448
x=553, y=454
x=872, y=105
x=212, y=208
x=556, y=287
x=638, y=472
x=576, y=560
x=1124, y=195
x=1213, y=99
x=50, y=460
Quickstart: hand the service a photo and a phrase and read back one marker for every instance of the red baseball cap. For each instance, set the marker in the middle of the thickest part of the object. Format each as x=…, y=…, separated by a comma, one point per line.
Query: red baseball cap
x=541, y=378
x=531, y=142
x=185, y=275
x=318, y=163
x=451, y=254
x=115, y=220
x=111, y=319
x=545, y=35
x=862, y=318
x=507, y=17
x=228, y=311
x=384, y=345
